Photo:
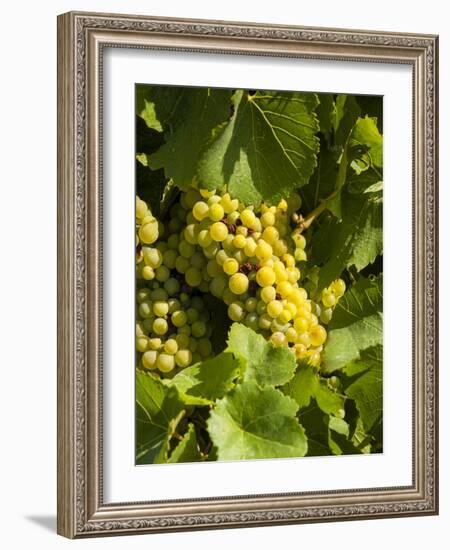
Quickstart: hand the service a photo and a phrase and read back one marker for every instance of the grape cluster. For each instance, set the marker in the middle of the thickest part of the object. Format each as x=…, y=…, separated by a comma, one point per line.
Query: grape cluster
x=246, y=257
x=324, y=302
x=172, y=327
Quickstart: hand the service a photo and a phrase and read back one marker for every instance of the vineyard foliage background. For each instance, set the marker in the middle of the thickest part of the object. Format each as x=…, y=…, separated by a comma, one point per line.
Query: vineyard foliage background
x=265, y=145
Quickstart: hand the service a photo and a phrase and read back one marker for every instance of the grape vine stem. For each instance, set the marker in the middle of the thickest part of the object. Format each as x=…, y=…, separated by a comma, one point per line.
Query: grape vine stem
x=306, y=222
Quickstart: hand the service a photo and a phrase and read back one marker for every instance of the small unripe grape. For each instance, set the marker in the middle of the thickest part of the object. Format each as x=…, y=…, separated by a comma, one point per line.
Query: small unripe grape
x=191, y=197
x=172, y=286
x=162, y=273
x=152, y=256
x=248, y=217
x=268, y=219
x=182, y=264
x=285, y=288
x=193, y=276
x=236, y=311
x=160, y=326
x=304, y=339
x=204, y=238
x=216, y=212
x=328, y=298
x=218, y=285
x=252, y=320
x=230, y=266
x=339, y=287
x=238, y=283
x=160, y=309
x=326, y=315
x=265, y=321
x=285, y=316
x=170, y=257
x=198, y=329
x=239, y=241
x=270, y=235
x=179, y=318
x=186, y=249
x=250, y=304
x=149, y=359
x=301, y=324
x=291, y=334
x=204, y=347
x=190, y=233
x=145, y=310
x=141, y=208
x=250, y=247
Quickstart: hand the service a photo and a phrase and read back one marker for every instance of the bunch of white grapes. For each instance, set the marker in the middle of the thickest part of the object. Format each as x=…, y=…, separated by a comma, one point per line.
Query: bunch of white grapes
x=245, y=256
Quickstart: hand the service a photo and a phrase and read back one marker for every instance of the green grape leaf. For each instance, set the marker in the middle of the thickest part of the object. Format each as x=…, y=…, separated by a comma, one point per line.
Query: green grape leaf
x=357, y=239
x=158, y=411
x=260, y=360
x=363, y=382
x=357, y=324
x=367, y=142
x=207, y=381
x=347, y=113
x=253, y=422
x=187, y=449
x=267, y=149
x=326, y=111
x=188, y=117
x=307, y=385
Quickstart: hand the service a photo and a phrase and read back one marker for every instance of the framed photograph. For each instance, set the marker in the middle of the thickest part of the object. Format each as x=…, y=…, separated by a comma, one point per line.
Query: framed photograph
x=247, y=284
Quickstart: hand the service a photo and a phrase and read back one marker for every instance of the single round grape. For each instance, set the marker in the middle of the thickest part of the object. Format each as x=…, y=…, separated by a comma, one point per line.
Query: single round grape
x=191, y=197
x=278, y=326
x=160, y=326
x=159, y=294
x=182, y=340
x=328, y=298
x=165, y=362
x=160, y=309
x=284, y=288
x=268, y=293
x=236, y=311
x=145, y=310
x=265, y=321
x=141, y=343
x=142, y=294
x=261, y=307
x=218, y=231
x=149, y=359
x=250, y=304
x=218, y=285
x=285, y=316
x=183, y=358
x=280, y=247
x=185, y=329
x=239, y=241
x=305, y=339
x=186, y=249
x=162, y=273
x=301, y=324
x=248, y=217
x=313, y=358
x=170, y=257
x=190, y=233
x=230, y=266
x=274, y=308
x=141, y=208
x=294, y=202
x=173, y=241
x=211, y=250
x=250, y=247
x=228, y=297
x=238, y=283
x=193, y=276
x=148, y=273
x=265, y=276
x=278, y=339
x=172, y=286
x=198, y=329
x=193, y=344
x=268, y=219
x=299, y=240
x=263, y=250
x=270, y=235
x=154, y=343
x=204, y=347
x=148, y=324
x=192, y=315
x=204, y=238
x=292, y=308
x=318, y=335
x=216, y=212
x=339, y=287
x=149, y=233
x=300, y=255
x=326, y=315
x=179, y=318
x=252, y=320
x=171, y=346
x=152, y=256
x=200, y=210
x=182, y=264
x=291, y=334
x=240, y=256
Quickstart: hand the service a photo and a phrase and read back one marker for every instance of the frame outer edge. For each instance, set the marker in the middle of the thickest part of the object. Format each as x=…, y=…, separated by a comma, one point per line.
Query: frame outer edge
x=66, y=382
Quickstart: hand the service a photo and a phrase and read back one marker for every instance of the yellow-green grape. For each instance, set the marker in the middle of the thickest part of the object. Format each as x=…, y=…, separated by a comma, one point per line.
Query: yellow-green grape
x=165, y=362
x=278, y=339
x=285, y=316
x=186, y=249
x=154, y=343
x=294, y=203
x=236, y=311
x=318, y=335
x=248, y=217
x=251, y=304
x=198, y=329
x=218, y=231
x=162, y=273
x=183, y=358
x=228, y=204
x=339, y=287
x=265, y=320
x=291, y=334
x=193, y=276
x=218, y=285
x=145, y=310
x=285, y=288
x=149, y=233
x=238, y=283
x=148, y=273
x=152, y=256
x=171, y=346
x=179, y=318
x=274, y=308
x=230, y=266
x=328, y=298
x=182, y=264
x=268, y=293
x=141, y=343
x=263, y=250
x=160, y=309
x=326, y=315
x=265, y=276
x=149, y=359
x=239, y=241
x=301, y=324
x=216, y=212
x=204, y=347
x=268, y=219
x=200, y=210
x=160, y=326
x=270, y=235
x=141, y=208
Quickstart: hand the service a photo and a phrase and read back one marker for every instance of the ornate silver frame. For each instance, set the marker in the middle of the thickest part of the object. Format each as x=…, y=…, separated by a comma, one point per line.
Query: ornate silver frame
x=81, y=38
